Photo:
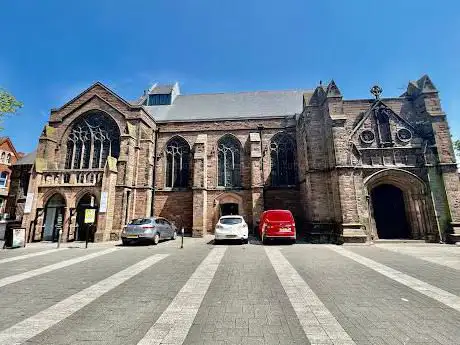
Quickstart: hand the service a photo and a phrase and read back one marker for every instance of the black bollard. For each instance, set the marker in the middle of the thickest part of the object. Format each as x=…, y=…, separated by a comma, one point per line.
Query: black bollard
x=182, y=239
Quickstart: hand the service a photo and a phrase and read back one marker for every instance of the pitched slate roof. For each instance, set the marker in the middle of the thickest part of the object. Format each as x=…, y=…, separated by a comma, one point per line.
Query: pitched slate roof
x=28, y=159
x=202, y=107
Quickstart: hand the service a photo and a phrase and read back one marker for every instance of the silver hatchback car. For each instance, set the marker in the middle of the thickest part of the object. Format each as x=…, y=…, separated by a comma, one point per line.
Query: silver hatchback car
x=151, y=230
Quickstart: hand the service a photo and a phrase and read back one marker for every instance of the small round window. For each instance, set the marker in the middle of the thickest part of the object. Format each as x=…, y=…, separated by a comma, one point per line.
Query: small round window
x=367, y=136
x=404, y=134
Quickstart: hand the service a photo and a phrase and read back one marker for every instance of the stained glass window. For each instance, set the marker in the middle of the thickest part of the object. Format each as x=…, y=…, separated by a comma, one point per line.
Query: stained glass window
x=283, y=166
x=93, y=138
x=177, y=162
x=229, y=173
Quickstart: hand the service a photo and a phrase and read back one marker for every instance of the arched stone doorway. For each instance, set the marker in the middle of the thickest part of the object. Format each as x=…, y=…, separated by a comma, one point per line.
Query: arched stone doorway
x=227, y=204
x=54, y=217
x=398, y=205
x=389, y=212
x=83, y=229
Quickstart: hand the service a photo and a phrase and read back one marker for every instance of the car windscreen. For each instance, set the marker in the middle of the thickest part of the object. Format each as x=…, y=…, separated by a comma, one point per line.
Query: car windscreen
x=139, y=221
x=231, y=221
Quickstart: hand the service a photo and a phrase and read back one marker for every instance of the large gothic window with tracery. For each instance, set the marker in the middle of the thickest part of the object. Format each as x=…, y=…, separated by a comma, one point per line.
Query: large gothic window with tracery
x=92, y=139
x=283, y=166
x=229, y=168
x=177, y=163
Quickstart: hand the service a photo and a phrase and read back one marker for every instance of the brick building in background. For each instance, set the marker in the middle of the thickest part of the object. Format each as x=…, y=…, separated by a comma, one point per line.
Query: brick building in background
x=363, y=169
x=8, y=156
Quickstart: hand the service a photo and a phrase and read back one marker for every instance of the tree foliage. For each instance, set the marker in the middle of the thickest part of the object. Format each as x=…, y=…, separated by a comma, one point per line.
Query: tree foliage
x=8, y=103
x=457, y=146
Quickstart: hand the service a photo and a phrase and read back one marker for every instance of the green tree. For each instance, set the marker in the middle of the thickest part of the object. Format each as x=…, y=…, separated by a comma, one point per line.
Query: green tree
x=457, y=146
x=8, y=104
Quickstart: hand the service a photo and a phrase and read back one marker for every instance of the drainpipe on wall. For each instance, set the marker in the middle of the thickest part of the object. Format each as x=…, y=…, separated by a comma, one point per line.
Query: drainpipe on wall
x=152, y=206
x=260, y=128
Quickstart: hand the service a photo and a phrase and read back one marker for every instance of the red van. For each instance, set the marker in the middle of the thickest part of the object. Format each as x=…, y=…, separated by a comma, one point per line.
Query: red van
x=277, y=224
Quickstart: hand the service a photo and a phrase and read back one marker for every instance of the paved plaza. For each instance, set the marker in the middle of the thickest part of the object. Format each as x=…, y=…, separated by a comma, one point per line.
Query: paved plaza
x=391, y=293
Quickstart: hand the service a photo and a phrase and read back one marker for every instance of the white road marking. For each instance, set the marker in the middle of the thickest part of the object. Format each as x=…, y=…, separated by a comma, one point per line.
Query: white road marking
x=29, y=328
x=33, y=273
x=173, y=325
x=429, y=290
x=26, y=256
x=319, y=325
x=441, y=255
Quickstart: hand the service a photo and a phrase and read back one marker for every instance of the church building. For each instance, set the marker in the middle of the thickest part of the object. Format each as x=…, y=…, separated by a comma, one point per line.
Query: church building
x=349, y=170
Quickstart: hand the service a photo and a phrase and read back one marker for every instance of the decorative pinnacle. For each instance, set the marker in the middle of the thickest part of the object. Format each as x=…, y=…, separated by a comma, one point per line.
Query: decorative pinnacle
x=376, y=91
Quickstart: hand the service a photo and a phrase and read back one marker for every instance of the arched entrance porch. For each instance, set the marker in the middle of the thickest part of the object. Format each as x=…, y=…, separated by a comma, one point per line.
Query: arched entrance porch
x=87, y=201
x=227, y=204
x=54, y=217
x=398, y=205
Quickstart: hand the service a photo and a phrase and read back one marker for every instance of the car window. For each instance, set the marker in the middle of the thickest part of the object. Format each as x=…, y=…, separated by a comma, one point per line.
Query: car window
x=231, y=221
x=166, y=222
x=140, y=221
x=158, y=221
x=279, y=216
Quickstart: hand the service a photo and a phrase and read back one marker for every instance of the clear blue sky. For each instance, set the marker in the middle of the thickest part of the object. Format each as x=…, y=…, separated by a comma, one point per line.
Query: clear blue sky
x=52, y=50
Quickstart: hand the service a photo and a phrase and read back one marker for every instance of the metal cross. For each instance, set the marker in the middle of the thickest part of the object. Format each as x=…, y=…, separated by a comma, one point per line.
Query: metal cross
x=376, y=91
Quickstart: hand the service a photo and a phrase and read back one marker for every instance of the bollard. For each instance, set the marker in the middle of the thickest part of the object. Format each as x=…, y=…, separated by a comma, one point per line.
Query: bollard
x=182, y=239
x=59, y=238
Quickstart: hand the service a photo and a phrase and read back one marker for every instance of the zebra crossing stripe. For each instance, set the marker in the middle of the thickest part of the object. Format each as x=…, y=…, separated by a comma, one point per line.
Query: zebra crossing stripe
x=33, y=273
x=29, y=328
x=426, y=289
x=185, y=305
x=31, y=255
x=319, y=325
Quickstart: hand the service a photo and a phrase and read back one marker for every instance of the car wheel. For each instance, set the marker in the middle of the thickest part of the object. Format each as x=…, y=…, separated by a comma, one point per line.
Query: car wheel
x=293, y=241
x=264, y=240
x=156, y=239
x=216, y=241
x=124, y=242
x=245, y=240
x=174, y=236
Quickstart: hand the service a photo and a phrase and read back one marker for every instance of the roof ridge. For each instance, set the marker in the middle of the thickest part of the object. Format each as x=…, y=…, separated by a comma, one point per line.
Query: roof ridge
x=240, y=92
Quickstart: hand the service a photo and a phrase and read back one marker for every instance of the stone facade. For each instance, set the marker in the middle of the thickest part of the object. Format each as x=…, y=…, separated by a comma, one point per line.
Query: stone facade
x=348, y=157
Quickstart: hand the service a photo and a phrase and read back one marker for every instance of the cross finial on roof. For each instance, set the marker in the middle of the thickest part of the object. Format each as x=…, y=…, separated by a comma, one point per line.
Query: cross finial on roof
x=320, y=83
x=376, y=91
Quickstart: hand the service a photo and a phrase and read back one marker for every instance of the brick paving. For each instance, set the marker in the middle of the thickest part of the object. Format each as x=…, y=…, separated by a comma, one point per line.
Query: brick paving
x=300, y=294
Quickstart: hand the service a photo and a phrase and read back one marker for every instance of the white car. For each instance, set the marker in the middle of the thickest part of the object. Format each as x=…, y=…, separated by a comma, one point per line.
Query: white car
x=231, y=228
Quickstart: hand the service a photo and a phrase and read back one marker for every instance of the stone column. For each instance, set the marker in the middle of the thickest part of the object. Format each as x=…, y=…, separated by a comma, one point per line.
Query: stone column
x=200, y=178
x=105, y=219
x=257, y=180
x=353, y=230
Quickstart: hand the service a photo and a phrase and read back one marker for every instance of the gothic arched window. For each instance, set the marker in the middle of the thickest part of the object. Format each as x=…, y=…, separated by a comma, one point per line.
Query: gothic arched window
x=282, y=154
x=177, y=162
x=92, y=139
x=229, y=169
x=384, y=130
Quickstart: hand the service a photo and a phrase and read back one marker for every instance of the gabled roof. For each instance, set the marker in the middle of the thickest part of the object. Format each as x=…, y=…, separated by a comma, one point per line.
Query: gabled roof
x=161, y=89
x=88, y=89
x=10, y=144
x=202, y=107
x=28, y=159
x=380, y=103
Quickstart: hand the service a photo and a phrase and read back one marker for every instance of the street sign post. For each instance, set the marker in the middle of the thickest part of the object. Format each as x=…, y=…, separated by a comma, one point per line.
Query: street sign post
x=90, y=218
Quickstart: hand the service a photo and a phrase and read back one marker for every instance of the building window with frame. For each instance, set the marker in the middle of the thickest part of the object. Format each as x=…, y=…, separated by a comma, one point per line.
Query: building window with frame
x=2, y=157
x=177, y=153
x=93, y=138
x=8, y=158
x=283, y=160
x=3, y=179
x=229, y=165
